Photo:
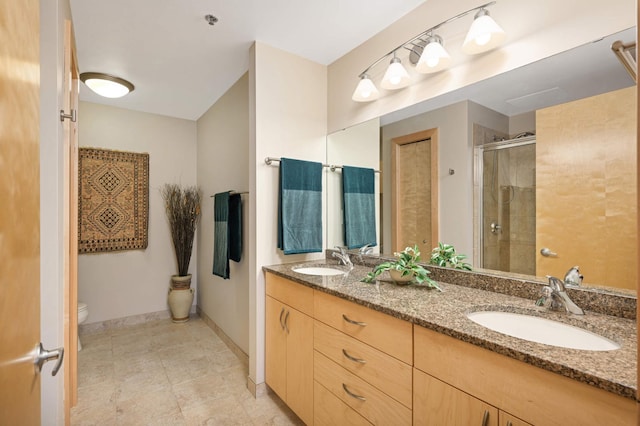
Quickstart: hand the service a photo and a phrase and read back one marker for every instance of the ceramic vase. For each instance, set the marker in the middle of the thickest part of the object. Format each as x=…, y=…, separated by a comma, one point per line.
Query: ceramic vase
x=397, y=277
x=180, y=298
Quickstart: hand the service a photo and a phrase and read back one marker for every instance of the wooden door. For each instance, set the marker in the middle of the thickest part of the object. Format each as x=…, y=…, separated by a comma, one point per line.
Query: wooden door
x=19, y=211
x=70, y=202
x=414, y=194
x=437, y=403
x=586, y=202
x=299, y=328
x=275, y=347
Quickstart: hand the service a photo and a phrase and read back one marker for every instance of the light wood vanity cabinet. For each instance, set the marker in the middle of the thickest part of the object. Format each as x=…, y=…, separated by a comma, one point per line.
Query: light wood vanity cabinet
x=517, y=389
x=437, y=403
x=363, y=358
x=335, y=362
x=506, y=419
x=289, y=344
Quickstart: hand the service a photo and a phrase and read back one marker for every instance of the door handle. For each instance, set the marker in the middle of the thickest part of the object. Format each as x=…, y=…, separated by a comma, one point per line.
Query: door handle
x=546, y=252
x=43, y=355
x=281, y=323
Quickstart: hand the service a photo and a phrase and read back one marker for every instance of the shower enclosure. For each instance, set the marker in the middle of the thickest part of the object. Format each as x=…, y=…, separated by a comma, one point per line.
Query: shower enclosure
x=508, y=205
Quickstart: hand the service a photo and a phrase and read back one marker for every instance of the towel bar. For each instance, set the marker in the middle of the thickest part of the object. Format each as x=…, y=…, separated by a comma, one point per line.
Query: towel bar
x=332, y=167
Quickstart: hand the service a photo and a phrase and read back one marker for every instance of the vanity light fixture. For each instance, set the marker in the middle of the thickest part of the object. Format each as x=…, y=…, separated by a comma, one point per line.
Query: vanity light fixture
x=366, y=90
x=396, y=76
x=434, y=57
x=429, y=55
x=484, y=34
x=106, y=85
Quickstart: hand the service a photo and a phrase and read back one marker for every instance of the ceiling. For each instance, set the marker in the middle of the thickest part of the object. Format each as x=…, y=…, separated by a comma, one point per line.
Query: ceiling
x=180, y=65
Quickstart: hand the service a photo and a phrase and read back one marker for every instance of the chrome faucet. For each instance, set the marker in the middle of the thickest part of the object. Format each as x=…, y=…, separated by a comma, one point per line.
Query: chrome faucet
x=343, y=256
x=365, y=249
x=555, y=296
x=573, y=277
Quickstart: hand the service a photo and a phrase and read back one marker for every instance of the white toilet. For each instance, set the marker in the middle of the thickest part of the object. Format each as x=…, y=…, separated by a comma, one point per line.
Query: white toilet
x=83, y=313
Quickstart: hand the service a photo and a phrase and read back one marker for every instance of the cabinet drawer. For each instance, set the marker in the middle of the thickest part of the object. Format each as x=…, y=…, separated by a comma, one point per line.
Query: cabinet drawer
x=371, y=403
x=532, y=394
x=293, y=294
x=389, y=334
x=383, y=371
x=329, y=410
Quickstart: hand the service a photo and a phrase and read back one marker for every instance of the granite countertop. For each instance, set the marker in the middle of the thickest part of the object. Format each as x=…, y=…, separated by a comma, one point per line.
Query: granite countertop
x=445, y=312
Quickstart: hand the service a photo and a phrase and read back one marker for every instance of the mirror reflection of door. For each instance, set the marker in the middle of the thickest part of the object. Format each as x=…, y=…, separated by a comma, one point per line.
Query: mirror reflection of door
x=592, y=141
x=509, y=206
x=414, y=195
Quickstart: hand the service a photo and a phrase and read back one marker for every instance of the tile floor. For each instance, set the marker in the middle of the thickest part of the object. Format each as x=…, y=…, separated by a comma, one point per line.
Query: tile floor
x=161, y=373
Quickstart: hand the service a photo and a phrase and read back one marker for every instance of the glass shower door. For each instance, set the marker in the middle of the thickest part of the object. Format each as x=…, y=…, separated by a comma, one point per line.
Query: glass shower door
x=509, y=207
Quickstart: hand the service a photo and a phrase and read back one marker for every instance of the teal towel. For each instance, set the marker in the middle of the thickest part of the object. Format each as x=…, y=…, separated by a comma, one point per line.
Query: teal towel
x=221, y=235
x=235, y=227
x=227, y=240
x=300, y=207
x=358, y=185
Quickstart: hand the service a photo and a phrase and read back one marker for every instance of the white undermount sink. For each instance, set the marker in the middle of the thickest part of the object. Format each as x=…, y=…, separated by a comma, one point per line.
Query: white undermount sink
x=318, y=270
x=542, y=330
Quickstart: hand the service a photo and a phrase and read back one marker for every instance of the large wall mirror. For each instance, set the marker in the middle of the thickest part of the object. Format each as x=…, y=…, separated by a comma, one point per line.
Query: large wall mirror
x=540, y=157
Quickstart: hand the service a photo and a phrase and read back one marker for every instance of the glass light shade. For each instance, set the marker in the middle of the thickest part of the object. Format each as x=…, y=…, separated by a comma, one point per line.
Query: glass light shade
x=396, y=76
x=434, y=57
x=484, y=34
x=365, y=91
x=106, y=85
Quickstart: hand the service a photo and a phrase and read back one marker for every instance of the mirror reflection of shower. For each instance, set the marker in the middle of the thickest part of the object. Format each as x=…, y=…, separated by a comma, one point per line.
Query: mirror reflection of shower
x=508, y=207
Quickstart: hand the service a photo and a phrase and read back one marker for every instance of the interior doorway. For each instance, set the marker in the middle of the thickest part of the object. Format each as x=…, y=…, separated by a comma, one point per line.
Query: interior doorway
x=414, y=194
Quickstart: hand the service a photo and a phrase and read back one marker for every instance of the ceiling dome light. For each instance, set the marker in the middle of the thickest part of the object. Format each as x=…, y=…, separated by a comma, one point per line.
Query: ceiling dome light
x=106, y=85
x=396, y=76
x=365, y=91
x=484, y=34
x=434, y=57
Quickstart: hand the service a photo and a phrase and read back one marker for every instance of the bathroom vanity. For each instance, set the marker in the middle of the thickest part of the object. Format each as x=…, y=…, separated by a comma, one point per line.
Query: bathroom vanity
x=339, y=351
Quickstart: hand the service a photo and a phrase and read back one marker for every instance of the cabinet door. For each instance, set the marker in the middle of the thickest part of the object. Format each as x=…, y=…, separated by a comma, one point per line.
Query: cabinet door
x=275, y=347
x=437, y=403
x=299, y=329
x=507, y=419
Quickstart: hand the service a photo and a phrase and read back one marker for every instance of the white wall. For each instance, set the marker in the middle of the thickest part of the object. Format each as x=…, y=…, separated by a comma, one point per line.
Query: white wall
x=535, y=30
x=223, y=164
x=52, y=22
x=288, y=116
x=121, y=284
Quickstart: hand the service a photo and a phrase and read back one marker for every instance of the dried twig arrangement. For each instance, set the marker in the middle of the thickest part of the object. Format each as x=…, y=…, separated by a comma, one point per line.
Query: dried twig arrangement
x=182, y=206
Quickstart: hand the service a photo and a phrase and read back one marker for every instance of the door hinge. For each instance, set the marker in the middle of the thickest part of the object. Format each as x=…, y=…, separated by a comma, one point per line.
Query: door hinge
x=72, y=116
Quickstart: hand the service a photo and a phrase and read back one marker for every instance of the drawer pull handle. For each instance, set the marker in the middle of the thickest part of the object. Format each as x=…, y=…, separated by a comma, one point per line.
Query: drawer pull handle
x=286, y=320
x=352, y=358
x=349, y=320
x=509, y=423
x=485, y=418
x=353, y=395
x=281, y=323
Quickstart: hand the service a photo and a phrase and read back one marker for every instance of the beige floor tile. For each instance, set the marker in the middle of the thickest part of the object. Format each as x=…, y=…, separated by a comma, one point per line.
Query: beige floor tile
x=200, y=390
x=161, y=373
x=98, y=371
x=149, y=407
x=218, y=412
